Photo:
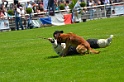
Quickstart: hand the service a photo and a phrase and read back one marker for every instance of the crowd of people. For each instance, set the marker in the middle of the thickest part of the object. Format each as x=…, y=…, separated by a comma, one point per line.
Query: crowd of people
x=39, y=6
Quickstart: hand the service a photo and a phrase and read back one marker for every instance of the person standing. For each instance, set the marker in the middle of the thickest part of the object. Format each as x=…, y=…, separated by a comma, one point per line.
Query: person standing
x=18, y=20
x=22, y=12
x=76, y=12
x=108, y=7
x=51, y=8
x=91, y=3
x=45, y=4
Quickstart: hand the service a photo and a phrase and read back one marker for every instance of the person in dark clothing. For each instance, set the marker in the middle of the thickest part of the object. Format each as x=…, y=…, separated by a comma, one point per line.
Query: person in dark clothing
x=51, y=8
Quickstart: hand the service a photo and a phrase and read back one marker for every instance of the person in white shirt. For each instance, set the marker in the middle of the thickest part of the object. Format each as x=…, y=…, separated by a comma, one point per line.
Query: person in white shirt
x=22, y=11
x=67, y=7
x=18, y=20
x=28, y=5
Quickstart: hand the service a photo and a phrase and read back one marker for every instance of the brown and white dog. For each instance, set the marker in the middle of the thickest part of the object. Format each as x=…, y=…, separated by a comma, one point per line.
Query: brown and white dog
x=71, y=39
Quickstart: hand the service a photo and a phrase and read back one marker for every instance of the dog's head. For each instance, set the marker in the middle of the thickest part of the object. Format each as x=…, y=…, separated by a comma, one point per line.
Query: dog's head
x=57, y=33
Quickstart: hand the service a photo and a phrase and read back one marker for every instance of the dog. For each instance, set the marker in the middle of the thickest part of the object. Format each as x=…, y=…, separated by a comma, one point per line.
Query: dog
x=94, y=43
x=71, y=39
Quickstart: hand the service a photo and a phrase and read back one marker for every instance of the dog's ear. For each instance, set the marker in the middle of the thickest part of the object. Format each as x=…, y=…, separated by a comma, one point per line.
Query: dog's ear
x=61, y=31
x=57, y=33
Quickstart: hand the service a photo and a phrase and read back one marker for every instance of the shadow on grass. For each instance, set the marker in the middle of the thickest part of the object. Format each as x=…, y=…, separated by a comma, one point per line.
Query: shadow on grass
x=52, y=57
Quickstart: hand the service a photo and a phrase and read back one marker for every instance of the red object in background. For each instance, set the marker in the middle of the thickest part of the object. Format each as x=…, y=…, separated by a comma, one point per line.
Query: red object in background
x=68, y=18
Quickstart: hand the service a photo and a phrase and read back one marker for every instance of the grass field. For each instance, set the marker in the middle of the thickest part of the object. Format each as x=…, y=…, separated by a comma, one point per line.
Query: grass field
x=26, y=58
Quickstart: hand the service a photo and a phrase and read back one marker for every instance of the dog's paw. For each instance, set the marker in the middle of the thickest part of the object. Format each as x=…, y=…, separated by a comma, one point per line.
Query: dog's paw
x=51, y=40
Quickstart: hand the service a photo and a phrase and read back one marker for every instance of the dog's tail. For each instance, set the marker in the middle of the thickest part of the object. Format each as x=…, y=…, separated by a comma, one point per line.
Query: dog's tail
x=90, y=50
x=94, y=51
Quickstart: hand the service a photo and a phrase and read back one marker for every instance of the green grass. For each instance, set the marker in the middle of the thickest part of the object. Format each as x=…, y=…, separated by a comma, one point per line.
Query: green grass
x=26, y=58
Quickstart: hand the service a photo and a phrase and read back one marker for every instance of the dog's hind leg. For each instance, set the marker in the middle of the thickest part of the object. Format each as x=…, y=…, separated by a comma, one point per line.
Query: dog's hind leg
x=81, y=49
x=90, y=50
